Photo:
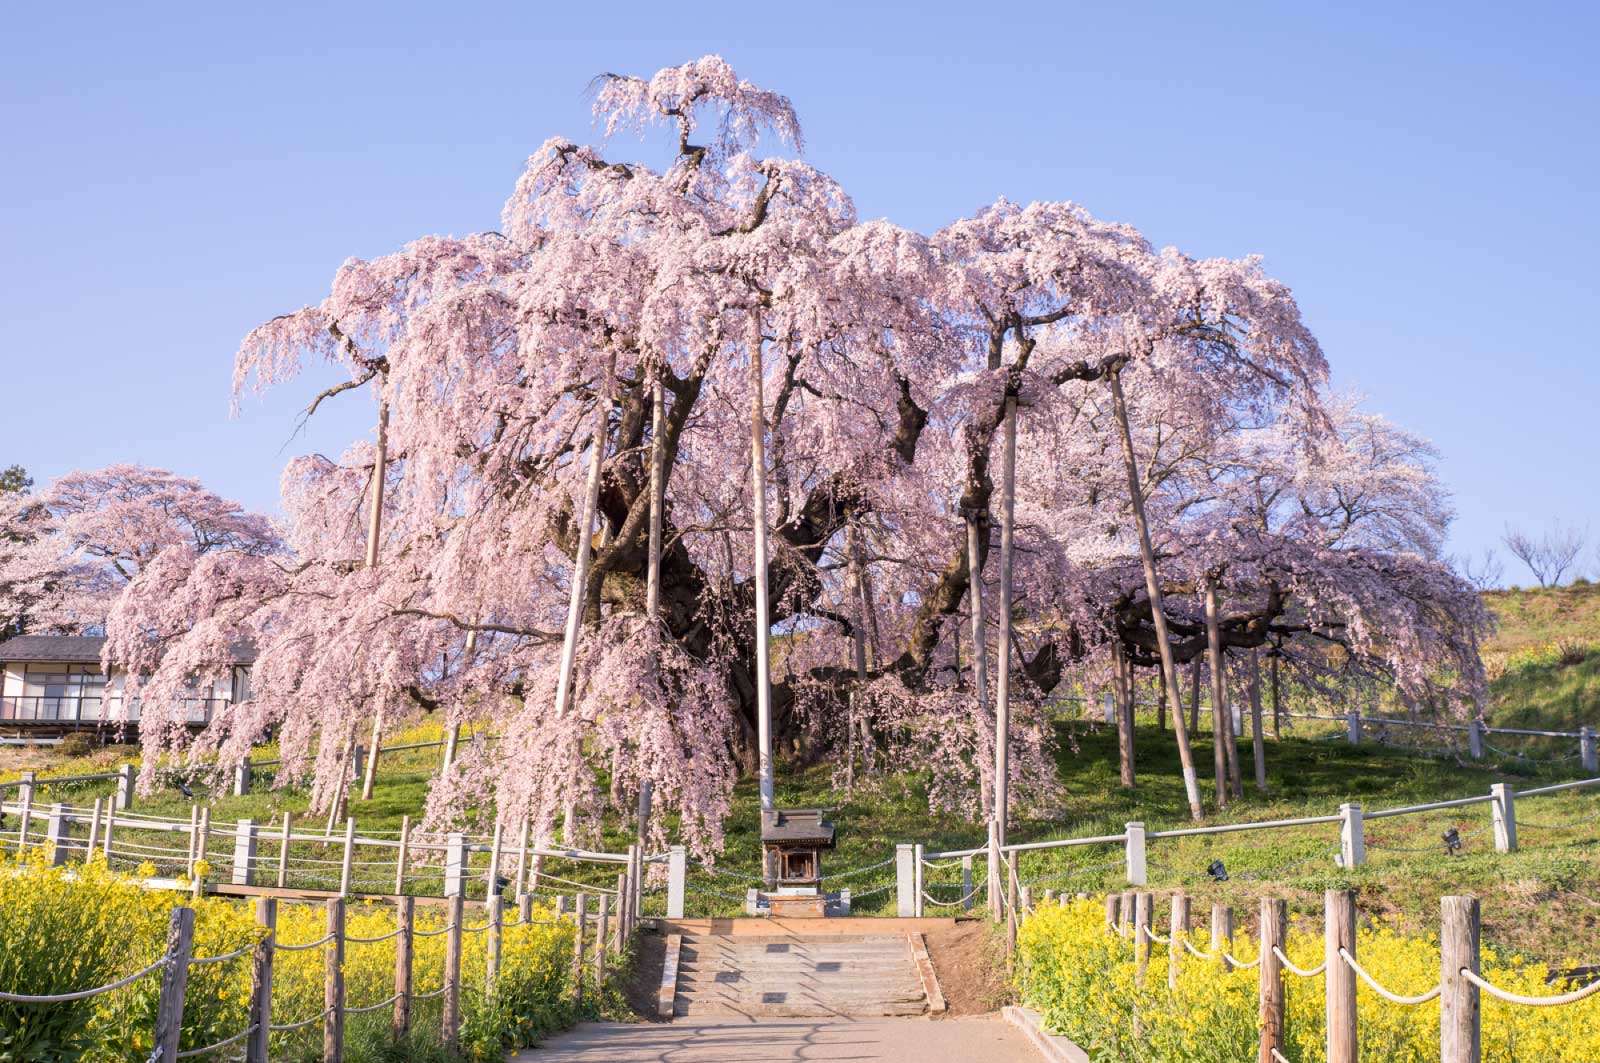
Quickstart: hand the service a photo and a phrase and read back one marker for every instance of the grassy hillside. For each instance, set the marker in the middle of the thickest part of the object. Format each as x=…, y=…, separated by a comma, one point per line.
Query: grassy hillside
x=1544, y=657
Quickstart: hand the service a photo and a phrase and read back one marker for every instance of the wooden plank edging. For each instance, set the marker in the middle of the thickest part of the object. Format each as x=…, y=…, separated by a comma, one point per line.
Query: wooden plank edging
x=668, y=995
x=925, y=973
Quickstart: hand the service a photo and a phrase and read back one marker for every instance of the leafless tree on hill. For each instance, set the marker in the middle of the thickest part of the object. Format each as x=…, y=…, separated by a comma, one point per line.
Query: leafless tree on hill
x=1548, y=556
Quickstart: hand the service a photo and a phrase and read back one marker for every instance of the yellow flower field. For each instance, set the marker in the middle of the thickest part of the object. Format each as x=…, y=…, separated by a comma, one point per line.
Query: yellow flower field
x=1083, y=978
x=68, y=929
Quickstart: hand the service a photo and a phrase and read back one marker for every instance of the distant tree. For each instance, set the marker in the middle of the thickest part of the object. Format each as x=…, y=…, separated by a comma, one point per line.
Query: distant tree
x=1549, y=556
x=14, y=480
x=1485, y=573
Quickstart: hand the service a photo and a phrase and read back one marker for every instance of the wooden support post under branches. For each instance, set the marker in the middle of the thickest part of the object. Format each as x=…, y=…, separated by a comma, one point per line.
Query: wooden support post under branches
x=1273, y=935
x=579, y=928
x=1339, y=980
x=1258, y=744
x=980, y=668
x=1158, y=616
x=404, y=950
x=758, y=507
x=1002, y=678
x=1223, y=748
x=1124, y=690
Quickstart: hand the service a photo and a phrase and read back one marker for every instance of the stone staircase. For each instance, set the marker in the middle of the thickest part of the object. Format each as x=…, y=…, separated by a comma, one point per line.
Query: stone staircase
x=795, y=976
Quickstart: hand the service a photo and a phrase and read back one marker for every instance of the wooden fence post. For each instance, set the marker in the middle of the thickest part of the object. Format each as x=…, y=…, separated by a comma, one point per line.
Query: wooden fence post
x=600, y=942
x=25, y=798
x=1141, y=936
x=1460, y=1028
x=1180, y=932
x=494, y=907
x=1274, y=920
x=1222, y=934
x=283, y=854
x=1126, y=911
x=522, y=863
x=622, y=904
x=677, y=880
x=580, y=928
x=94, y=830
x=174, y=983
x=1503, y=813
x=400, y=862
x=1113, y=910
x=491, y=877
x=405, y=921
x=105, y=840
x=525, y=907
x=1137, y=875
x=194, y=837
x=333, y=986
x=256, y=1045
x=1013, y=898
x=456, y=910
x=1339, y=980
x=202, y=843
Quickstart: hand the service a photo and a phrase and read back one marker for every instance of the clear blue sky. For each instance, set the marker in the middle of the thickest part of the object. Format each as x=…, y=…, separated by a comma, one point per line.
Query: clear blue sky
x=1424, y=176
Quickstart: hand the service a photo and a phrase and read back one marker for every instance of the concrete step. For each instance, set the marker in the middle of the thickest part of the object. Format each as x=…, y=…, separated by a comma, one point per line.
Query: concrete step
x=792, y=976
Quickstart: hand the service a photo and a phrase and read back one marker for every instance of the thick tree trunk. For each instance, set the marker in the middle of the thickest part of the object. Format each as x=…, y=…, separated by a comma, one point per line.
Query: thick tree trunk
x=1124, y=696
x=758, y=506
x=980, y=651
x=1191, y=782
x=1002, y=682
x=1258, y=746
x=1161, y=703
x=1277, y=706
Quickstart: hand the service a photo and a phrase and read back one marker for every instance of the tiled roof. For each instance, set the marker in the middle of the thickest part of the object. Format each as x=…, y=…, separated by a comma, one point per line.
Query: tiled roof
x=72, y=649
x=799, y=825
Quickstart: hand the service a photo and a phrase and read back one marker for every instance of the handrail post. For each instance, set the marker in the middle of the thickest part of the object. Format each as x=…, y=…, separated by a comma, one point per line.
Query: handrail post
x=283, y=854
x=1475, y=739
x=174, y=983
x=600, y=940
x=1339, y=980
x=455, y=866
x=25, y=799
x=94, y=830
x=1274, y=920
x=916, y=879
x=1460, y=1027
x=202, y=843
x=491, y=876
x=1352, y=727
x=400, y=860
x=456, y=914
x=1352, y=835
x=256, y=1045
x=241, y=778
x=1180, y=932
x=677, y=876
x=966, y=883
x=244, y=852
x=905, y=881
x=56, y=830
x=1503, y=813
x=1137, y=872
x=1587, y=754
x=404, y=950
x=1222, y=934
x=105, y=839
x=333, y=985
x=622, y=906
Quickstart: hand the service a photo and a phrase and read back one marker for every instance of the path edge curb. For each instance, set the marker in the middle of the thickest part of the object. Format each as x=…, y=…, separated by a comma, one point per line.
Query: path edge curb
x=1053, y=1047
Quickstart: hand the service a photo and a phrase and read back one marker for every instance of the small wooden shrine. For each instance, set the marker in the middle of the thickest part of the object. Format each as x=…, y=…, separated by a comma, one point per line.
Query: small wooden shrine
x=792, y=843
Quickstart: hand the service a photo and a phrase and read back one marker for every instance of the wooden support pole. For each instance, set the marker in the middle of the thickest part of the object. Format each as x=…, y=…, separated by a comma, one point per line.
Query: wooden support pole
x=525, y=907
x=456, y=909
x=580, y=927
x=404, y=950
x=1222, y=934
x=621, y=934
x=600, y=942
x=1258, y=745
x=1273, y=934
x=202, y=843
x=111, y=822
x=1113, y=909
x=174, y=984
x=333, y=985
x=1002, y=671
x=995, y=885
x=494, y=907
x=1460, y=1017
x=257, y=1044
x=1339, y=979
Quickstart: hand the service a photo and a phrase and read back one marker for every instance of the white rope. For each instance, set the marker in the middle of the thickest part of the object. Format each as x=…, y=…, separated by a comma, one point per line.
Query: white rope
x=434, y=933
x=372, y=1007
x=323, y=1014
x=476, y=929
x=1157, y=938
x=1231, y=958
x=196, y=961
x=62, y=998
x=1421, y=998
x=1312, y=973
x=950, y=904
x=372, y=941
x=1532, y=1002
x=1278, y=1056
x=240, y=1036
x=429, y=996
x=323, y=940
x=1196, y=952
